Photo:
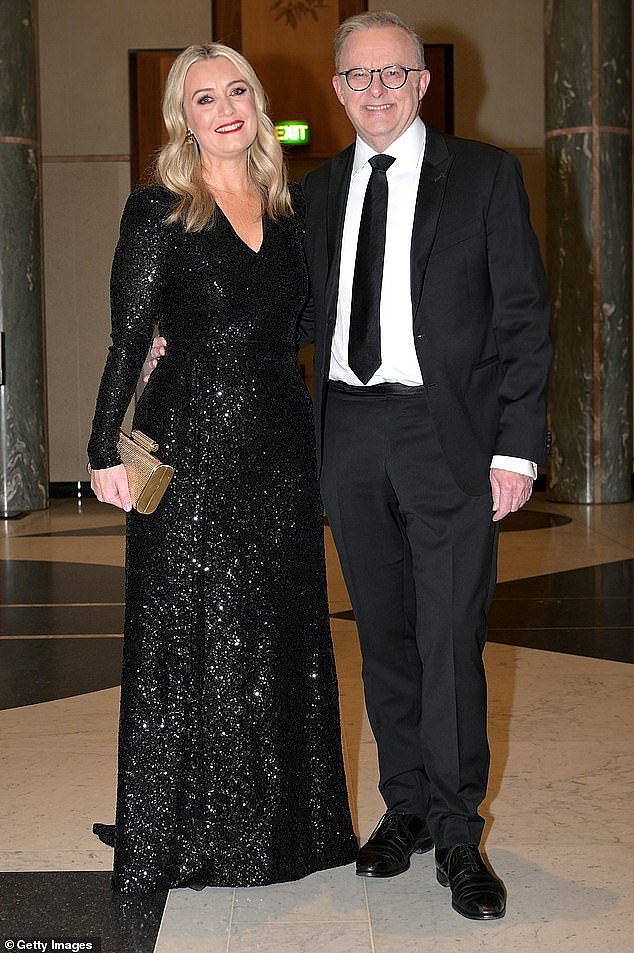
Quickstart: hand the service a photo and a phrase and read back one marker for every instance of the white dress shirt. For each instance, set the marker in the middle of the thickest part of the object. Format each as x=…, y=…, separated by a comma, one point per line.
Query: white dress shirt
x=399, y=362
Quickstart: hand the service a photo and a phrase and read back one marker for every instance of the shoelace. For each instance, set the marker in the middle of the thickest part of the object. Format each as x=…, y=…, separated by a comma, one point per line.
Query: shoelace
x=393, y=822
x=473, y=883
x=464, y=855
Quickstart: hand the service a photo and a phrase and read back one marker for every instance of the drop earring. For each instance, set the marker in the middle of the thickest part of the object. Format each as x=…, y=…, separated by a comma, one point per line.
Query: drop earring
x=190, y=137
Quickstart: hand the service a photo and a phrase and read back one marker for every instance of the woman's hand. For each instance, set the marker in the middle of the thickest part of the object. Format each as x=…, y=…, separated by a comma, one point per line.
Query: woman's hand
x=111, y=486
x=156, y=353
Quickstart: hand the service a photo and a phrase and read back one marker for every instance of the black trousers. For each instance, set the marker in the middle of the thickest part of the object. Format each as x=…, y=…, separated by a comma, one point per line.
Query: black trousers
x=419, y=559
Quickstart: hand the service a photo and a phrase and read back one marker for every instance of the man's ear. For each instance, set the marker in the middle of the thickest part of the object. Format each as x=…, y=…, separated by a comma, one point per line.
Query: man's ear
x=423, y=83
x=336, y=85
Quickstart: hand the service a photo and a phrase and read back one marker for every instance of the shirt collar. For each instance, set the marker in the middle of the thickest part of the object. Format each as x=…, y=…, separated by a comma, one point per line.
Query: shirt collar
x=407, y=149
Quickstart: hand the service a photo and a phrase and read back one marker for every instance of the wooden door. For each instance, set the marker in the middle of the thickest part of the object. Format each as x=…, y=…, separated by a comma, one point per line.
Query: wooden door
x=148, y=72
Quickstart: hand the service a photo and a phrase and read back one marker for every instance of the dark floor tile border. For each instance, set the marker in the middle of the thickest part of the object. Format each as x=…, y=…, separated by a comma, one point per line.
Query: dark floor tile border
x=78, y=904
x=609, y=579
x=608, y=644
x=554, y=613
x=96, y=619
x=42, y=670
x=54, y=582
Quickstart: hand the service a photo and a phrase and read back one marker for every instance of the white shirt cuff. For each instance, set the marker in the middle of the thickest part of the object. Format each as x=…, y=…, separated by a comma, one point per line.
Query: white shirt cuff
x=515, y=464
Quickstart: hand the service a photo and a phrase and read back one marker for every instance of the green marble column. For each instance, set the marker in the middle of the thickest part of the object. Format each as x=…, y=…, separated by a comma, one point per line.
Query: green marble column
x=589, y=192
x=23, y=458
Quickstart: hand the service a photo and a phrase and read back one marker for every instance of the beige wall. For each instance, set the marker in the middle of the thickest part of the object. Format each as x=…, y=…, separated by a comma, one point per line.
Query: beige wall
x=86, y=178
x=499, y=63
x=84, y=97
x=498, y=76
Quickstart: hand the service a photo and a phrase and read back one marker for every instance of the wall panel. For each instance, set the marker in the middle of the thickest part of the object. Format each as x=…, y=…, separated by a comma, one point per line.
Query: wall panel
x=86, y=178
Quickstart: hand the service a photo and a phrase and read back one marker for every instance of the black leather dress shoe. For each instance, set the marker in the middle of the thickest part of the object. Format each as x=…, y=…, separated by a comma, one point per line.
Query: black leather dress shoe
x=395, y=838
x=476, y=892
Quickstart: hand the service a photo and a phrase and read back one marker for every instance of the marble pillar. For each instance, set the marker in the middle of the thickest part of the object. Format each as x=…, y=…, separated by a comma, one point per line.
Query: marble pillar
x=589, y=193
x=23, y=457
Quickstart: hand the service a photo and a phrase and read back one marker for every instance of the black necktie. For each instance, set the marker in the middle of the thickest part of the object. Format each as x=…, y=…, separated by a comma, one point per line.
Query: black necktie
x=364, y=341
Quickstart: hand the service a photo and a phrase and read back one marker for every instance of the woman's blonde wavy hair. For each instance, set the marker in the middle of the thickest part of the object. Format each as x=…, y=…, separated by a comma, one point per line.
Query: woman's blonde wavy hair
x=179, y=167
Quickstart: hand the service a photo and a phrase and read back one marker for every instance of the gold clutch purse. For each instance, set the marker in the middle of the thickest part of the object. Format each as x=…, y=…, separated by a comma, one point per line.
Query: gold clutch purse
x=148, y=478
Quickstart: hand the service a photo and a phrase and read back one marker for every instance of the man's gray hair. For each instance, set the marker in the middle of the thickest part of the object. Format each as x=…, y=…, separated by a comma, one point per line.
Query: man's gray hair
x=365, y=21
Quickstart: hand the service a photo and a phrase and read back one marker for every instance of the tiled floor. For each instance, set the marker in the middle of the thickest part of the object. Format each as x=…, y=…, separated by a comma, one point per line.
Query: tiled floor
x=559, y=819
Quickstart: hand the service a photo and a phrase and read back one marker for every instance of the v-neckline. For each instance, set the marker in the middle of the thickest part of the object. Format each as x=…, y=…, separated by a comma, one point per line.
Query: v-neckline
x=253, y=251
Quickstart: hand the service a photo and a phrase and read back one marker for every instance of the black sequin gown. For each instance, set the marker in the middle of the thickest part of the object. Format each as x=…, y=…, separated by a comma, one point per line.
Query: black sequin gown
x=230, y=766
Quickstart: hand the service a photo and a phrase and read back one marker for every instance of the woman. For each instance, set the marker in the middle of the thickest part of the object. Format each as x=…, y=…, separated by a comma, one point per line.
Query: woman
x=230, y=767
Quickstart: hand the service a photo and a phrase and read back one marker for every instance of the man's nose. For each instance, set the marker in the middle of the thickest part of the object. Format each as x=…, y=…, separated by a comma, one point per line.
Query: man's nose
x=376, y=86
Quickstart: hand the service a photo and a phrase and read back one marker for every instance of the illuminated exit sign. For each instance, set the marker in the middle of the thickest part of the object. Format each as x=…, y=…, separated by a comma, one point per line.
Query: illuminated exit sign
x=293, y=133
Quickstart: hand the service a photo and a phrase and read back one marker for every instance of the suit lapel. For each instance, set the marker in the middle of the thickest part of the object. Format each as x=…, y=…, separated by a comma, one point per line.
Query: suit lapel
x=431, y=192
x=338, y=186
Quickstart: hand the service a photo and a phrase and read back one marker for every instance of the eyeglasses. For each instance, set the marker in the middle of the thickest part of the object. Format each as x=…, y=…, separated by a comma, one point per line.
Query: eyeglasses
x=393, y=77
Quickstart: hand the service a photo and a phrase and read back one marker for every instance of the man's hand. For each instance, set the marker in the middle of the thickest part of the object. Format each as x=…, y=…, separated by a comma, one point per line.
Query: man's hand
x=510, y=492
x=111, y=486
x=156, y=352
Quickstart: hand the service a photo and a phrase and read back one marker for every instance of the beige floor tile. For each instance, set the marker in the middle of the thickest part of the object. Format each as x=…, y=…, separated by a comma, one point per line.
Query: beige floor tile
x=520, y=559
x=24, y=860
x=346, y=642
x=76, y=549
x=614, y=522
x=17, y=541
x=64, y=514
x=526, y=704
x=196, y=921
x=177, y=943
x=300, y=938
x=58, y=772
x=617, y=526
x=554, y=896
x=602, y=936
x=590, y=538
x=329, y=895
x=339, y=603
x=567, y=792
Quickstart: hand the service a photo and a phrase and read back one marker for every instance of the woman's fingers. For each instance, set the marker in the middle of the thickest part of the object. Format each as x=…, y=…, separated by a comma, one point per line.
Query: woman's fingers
x=111, y=486
x=123, y=492
x=158, y=347
x=156, y=351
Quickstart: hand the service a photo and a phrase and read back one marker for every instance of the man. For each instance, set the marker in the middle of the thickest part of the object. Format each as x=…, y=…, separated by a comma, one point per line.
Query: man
x=430, y=322
x=431, y=357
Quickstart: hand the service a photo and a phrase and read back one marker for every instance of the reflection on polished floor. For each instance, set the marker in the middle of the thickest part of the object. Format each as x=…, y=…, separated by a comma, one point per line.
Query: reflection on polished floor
x=559, y=821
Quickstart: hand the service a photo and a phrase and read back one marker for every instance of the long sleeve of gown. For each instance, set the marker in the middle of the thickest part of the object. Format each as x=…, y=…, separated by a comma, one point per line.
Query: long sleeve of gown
x=135, y=290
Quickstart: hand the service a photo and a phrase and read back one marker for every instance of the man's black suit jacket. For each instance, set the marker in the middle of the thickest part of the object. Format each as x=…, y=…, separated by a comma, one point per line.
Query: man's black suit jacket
x=479, y=300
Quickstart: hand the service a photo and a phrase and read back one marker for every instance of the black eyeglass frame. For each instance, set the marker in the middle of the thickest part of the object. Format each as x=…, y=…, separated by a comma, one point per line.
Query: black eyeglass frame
x=406, y=69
